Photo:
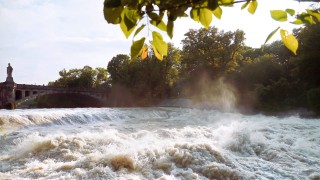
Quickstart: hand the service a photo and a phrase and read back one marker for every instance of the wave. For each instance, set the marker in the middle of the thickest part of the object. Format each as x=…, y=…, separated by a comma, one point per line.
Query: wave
x=159, y=143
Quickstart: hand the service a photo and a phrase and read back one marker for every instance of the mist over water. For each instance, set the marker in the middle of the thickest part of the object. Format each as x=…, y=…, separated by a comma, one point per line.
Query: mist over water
x=212, y=94
x=156, y=143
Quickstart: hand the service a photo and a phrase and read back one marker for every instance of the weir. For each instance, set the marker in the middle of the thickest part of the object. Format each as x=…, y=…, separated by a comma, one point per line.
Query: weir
x=12, y=94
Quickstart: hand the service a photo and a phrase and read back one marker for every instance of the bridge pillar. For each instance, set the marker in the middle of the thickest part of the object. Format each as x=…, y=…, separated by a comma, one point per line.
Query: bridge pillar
x=23, y=94
x=7, y=91
x=7, y=95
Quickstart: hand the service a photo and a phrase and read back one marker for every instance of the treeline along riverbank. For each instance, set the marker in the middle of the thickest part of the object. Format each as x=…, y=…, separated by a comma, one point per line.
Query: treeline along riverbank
x=217, y=68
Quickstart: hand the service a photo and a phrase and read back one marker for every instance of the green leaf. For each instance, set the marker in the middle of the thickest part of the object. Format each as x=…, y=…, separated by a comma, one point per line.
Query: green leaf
x=170, y=26
x=217, y=12
x=132, y=15
x=156, y=53
x=185, y=15
x=314, y=14
x=127, y=28
x=212, y=4
x=172, y=14
x=226, y=2
x=289, y=41
x=159, y=45
x=137, y=47
x=139, y=29
x=205, y=17
x=304, y=18
x=245, y=5
x=159, y=24
x=5, y=136
x=194, y=14
x=308, y=20
x=279, y=15
x=180, y=10
x=129, y=21
x=271, y=34
x=161, y=14
x=154, y=16
x=112, y=3
x=112, y=15
x=252, y=7
x=126, y=25
x=130, y=3
x=297, y=21
x=290, y=11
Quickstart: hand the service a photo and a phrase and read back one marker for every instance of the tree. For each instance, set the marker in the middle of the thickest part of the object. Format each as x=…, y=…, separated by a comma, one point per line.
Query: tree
x=146, y=79
x=279, y=81
x=281, y=53
x=117, y=69
x=170, y=68
x=87, y=77
x=309, y=57
x=101, y=78
x=211, y=51
x=128, y=14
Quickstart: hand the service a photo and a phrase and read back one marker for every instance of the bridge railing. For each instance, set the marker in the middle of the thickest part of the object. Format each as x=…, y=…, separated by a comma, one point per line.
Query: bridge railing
x=56, y=88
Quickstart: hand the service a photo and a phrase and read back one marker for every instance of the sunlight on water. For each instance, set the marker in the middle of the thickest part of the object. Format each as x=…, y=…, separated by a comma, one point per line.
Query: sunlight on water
x=156, y=143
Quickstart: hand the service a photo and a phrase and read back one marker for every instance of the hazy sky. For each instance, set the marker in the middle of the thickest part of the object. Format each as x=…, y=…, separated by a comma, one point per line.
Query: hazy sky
x=41, y=37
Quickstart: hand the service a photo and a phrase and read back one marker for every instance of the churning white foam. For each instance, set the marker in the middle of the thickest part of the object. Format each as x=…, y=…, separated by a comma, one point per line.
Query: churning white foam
x=157, y=143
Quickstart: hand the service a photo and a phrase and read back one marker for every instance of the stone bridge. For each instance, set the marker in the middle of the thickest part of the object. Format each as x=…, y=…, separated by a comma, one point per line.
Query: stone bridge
x=12, y=94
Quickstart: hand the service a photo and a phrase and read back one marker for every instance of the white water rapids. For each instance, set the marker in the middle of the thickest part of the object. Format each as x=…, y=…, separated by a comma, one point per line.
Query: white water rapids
x=156, y=143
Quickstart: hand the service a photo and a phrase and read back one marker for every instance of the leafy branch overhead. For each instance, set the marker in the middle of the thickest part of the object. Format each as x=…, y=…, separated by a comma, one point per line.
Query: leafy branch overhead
x=130, y=13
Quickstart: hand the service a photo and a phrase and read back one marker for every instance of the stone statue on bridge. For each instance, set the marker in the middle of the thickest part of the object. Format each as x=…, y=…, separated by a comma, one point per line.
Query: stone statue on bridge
x=9, y=70
x=9, y=73
x=7, y=91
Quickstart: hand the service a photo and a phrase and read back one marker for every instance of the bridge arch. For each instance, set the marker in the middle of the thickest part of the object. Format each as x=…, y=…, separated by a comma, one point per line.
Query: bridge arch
x=61, y=100
x=17, y=94
x=11, y=94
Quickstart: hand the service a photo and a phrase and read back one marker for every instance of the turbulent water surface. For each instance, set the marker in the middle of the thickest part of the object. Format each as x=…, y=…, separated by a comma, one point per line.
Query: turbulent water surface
x=156, y=143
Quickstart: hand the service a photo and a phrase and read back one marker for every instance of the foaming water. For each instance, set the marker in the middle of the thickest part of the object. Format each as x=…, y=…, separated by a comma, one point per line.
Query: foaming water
x=156, y=143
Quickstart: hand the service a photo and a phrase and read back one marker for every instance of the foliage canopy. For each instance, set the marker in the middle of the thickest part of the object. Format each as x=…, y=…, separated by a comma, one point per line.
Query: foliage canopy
x=269, y=78
x=87, y=77
x=128, y=14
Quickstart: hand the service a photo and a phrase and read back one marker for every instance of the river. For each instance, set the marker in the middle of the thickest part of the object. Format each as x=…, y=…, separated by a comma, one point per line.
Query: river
x=156, y=143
